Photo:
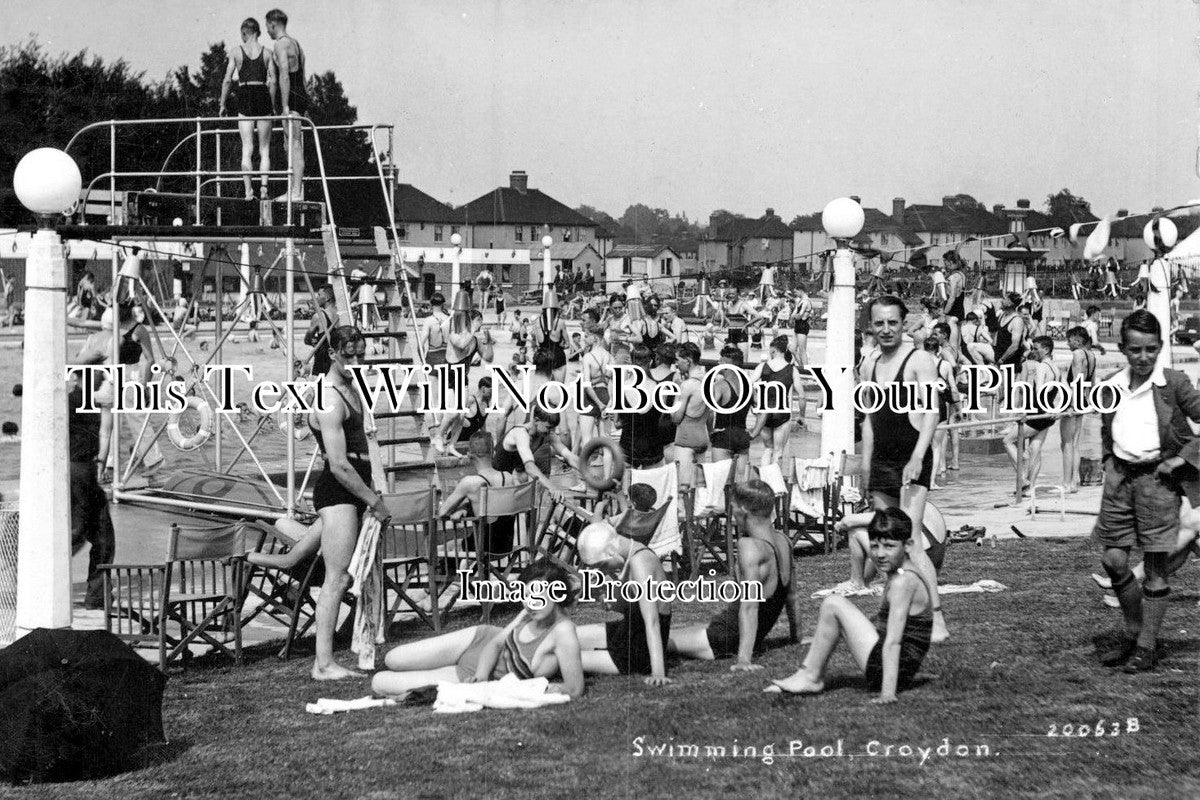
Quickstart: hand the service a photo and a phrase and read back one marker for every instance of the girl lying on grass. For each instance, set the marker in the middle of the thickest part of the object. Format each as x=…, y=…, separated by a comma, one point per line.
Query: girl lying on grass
x=540, y=642
x=891, y=650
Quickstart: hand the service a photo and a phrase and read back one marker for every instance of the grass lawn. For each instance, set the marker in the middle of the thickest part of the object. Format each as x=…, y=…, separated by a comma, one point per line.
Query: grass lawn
x=1021, y=663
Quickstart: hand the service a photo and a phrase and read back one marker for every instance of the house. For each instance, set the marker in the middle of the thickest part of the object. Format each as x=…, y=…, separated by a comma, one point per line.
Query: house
x=881, y=231
x=658, y=263
x=421, y=220
x=516, y=216
x=510, y=268
x=742, y=243
x=578, y=257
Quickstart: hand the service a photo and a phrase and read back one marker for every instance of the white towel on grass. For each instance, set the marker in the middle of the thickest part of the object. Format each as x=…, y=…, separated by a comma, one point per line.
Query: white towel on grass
x=328, y=706
x=710, y=498
x=507, y=693
x=808, y=496
x=978, y=587
x=665, y=483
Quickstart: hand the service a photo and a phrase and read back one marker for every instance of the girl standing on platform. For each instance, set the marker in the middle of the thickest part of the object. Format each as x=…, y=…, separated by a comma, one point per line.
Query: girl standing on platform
x=256, y=86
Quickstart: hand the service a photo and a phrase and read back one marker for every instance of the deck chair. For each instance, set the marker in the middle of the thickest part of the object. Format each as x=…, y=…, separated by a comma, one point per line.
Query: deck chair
x=558, y=528
x=409, y=552
x=193, y=598
x=283, y=596
x=659, y=528
x=815, y=501
x=496, y=555
x=708, y=523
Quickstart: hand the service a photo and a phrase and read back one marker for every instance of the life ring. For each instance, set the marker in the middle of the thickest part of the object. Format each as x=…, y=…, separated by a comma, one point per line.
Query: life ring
x=618, y=462
x=203, y=431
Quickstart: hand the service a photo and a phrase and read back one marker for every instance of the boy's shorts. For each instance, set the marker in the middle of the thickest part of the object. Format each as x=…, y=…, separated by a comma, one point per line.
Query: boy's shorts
x=1138, y=508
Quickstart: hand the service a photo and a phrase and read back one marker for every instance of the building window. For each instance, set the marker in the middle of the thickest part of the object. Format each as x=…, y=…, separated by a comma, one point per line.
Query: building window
x=566, y=234
x=567, y=265
x=401, y=232
x=422, y=226
x=665, y=266
x=883, y=239
x=519, y=233
x=453, y=229
x=533, y=233
x=627, y=266
x=506, y=273
x=437, y=232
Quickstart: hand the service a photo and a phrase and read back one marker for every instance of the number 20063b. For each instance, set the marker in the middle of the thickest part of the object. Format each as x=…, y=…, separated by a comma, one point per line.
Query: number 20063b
x=1096, y=730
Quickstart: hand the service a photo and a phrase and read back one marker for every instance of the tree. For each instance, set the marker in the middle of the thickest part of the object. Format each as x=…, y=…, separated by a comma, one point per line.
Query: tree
x=1065, y=204
x=45, y=101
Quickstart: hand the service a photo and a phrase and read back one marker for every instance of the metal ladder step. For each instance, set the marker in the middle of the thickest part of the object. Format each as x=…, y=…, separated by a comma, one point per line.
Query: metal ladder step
x=421, y=439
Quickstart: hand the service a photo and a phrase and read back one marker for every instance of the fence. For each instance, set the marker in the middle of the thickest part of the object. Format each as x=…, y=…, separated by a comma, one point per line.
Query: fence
x=8, y=571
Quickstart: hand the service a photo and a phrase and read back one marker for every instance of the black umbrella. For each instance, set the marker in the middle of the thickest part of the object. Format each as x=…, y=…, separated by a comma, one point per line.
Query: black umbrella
x=76, y=705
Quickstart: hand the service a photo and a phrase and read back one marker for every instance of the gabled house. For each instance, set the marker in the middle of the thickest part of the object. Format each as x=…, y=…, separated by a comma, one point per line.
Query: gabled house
x=577, y=257
x=632, y=261
x=518, y=216
x=423, y=221
x=746, y=243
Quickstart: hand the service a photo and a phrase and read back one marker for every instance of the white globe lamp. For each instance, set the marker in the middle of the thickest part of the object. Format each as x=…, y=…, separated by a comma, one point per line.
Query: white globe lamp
x=1160, y=235
x=47, y=181
x=547, y=241
x=456, y=239
x=842, y=218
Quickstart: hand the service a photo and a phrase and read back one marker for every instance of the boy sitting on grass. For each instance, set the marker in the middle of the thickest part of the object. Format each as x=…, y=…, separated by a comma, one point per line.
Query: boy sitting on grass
x=641, y=520
x=889, y=651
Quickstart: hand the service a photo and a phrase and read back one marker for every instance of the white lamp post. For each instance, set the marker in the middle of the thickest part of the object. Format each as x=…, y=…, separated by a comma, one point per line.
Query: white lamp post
x=455, y=266
x=546, y=276
x=1160, y=235
x=47, y=182
x=842, y=219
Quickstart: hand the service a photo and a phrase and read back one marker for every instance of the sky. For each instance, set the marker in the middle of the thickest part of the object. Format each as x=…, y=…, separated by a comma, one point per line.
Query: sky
x=695, y=105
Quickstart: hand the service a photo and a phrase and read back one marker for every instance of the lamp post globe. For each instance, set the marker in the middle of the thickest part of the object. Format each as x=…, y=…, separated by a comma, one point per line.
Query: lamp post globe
x=547, y=241
x=456, y=239
x=47, y=181
x=842, y=218
x=1160, y=235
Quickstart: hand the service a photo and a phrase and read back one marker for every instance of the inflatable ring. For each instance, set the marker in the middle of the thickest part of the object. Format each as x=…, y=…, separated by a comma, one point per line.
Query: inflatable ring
x=618, y=461
x=202, y=433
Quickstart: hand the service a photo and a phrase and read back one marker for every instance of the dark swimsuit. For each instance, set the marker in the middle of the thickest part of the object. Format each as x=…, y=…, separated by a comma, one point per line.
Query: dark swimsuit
x=895, y=440
x=1004, y=340
x=552, y=347
x=914, y=644
x=958, y=306
x=722, y=632
x=328, y=490
x=1041, y=424
x=784, y=378
x=253, y=96
x=801, y=325
x=472, y=424
x=626, y=637
x=639, y=439
x=510, y=460
x=729, y=430
x=297, y=91
x=321, y=358
x=516, y=658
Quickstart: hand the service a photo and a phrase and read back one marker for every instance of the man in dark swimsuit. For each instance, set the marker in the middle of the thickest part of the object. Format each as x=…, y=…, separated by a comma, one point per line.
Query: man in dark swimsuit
x=293, y=95
x=896, y=460
x=529, y=450
x=1010, y=336
x=317, y=337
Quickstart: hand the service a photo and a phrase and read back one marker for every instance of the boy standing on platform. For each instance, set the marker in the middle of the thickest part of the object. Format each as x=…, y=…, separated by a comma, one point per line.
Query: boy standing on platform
x=1142, y=440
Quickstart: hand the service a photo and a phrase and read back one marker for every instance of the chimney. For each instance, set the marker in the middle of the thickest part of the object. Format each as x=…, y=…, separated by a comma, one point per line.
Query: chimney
x=898, y=210
x=1124, y=212
x=1022, y=203
x=770, y=213
x=998, y=210
x=1156, y=209
x=947, y=200
x=519, y=180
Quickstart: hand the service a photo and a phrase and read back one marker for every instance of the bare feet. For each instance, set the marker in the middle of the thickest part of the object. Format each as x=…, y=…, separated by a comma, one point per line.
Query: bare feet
x=798, y=683
x=1102, y=581
x=334, y=672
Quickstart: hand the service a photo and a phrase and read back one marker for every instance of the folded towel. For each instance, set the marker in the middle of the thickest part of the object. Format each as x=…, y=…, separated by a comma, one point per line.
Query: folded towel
x=367, y=574
x=710, y=498
x=507, y=693
x=329, y=706
x=978, y=587
x=772, y=475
